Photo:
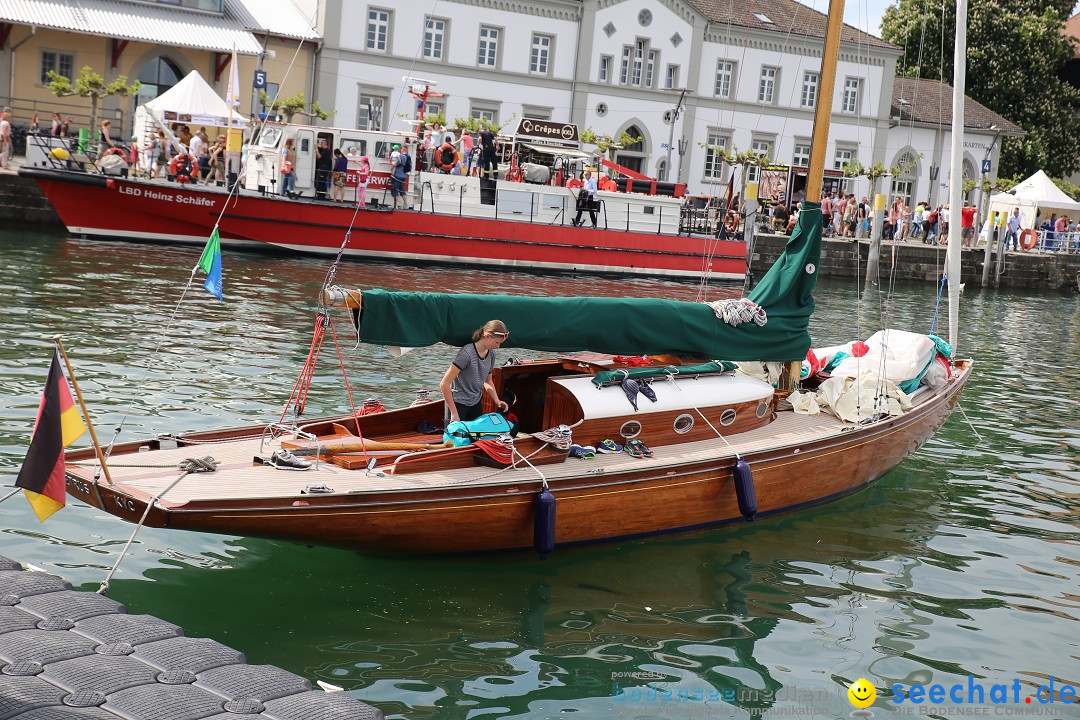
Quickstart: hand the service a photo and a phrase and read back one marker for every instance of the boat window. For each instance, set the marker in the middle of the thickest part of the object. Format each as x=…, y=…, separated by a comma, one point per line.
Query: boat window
x=762, y=408
x=727, y=417
x=630, y=429
x=382, y=149
x=683, y=423
x=344, y=143
x=269, y=137
x=649, y=210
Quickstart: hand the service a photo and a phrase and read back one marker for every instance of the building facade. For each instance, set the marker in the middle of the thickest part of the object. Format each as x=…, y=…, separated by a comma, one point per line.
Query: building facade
x=751, y=81
x=156, y=42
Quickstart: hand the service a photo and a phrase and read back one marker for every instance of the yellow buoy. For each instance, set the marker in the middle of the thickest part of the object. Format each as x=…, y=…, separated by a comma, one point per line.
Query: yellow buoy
x=60, y=153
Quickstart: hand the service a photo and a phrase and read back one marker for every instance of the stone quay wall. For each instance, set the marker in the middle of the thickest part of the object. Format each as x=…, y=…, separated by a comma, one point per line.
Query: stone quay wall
x=916, y=262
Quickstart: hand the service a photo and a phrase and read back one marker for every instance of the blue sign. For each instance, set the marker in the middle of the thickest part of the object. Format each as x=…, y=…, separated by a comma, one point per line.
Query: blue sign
x=986, y=166
x=260, y=80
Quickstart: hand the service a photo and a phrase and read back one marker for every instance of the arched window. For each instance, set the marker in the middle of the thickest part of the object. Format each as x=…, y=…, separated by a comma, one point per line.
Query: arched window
x=156, y=77
x=904, y=182
x=661, y=169
x=969, y=174
x=633, y=156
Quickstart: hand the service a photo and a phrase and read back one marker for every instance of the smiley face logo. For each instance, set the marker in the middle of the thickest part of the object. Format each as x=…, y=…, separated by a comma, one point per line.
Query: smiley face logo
x=861, y=693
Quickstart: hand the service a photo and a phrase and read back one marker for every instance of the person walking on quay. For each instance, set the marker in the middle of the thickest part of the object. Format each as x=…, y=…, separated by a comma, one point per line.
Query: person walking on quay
x=1012, y=236
x=930, y=225
x=967, y=224
x=5, y=136
x=104, y=140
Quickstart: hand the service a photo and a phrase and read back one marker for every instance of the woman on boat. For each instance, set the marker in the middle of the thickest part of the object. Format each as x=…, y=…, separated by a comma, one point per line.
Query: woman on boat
x=288, y=158
x=469, y=375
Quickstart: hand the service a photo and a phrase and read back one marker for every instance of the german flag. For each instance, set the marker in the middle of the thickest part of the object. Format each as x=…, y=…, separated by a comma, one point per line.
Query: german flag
x=58, y=425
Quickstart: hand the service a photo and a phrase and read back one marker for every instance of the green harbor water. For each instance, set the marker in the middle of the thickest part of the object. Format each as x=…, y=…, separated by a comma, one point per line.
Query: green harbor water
x=963, y=561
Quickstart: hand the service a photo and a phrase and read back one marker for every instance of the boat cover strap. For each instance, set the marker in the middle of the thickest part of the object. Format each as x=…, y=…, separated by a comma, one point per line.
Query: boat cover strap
x=607, y=377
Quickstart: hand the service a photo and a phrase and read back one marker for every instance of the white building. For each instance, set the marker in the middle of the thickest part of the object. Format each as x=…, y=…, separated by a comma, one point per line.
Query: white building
x=752, y=81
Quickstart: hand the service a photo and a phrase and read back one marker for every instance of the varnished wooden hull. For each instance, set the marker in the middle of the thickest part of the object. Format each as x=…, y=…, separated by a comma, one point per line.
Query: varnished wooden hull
x=590, y=507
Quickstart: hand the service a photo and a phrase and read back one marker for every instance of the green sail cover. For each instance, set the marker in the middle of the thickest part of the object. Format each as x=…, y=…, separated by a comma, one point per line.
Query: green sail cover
x=616, y=326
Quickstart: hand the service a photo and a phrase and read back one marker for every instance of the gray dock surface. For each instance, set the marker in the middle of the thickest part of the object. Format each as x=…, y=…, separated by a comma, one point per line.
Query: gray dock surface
x=71, y=655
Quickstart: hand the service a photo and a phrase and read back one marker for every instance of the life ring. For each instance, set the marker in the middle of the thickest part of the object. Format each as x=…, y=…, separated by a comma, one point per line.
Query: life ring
x=514, y=174
x=185, y=168
x=731, y=221
x=114, y=151
x=440, y=158
x=1028, y=239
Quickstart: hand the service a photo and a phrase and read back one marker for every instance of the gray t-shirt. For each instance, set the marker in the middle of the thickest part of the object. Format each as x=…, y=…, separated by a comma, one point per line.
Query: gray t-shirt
x=468, y=386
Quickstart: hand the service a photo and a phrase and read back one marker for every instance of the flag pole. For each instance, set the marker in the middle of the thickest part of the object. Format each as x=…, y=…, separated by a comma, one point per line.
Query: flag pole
x=86, y=413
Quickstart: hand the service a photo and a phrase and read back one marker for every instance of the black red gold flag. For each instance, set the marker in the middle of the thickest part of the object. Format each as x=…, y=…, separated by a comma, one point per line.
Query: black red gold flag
x=58, y=425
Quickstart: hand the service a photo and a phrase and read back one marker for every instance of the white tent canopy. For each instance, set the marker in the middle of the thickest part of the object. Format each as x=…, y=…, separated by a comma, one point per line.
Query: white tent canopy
x=192, y=102
x=1037, y=194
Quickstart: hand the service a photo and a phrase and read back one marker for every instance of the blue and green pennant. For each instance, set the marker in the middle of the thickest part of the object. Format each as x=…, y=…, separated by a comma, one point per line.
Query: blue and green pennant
x=210, y=262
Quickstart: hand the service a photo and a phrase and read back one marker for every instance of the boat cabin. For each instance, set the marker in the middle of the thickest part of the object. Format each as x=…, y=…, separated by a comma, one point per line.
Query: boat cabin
x=585, y=393
x=264, y=156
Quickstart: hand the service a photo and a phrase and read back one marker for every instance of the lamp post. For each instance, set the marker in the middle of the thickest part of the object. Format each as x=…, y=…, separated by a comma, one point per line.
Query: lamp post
x=683, y=144
x=671, y=133
x=979, y=205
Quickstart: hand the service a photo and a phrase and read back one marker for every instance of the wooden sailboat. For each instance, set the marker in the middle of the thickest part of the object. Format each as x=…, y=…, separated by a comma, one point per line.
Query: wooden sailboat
x=725, y=447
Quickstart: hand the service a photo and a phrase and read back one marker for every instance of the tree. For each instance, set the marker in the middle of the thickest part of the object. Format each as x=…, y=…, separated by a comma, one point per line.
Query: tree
x=90, y=85
x=295, y=105
x=606, y=143
x=1016, y=55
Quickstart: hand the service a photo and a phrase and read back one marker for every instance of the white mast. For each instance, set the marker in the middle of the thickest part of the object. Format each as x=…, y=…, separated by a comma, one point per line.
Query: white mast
x=956, y=176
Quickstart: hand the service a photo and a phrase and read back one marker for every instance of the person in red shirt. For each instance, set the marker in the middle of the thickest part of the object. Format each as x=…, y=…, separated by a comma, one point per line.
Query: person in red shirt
x=967, y=224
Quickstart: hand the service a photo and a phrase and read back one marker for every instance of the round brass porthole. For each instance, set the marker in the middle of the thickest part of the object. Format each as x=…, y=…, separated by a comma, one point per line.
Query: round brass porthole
x=762, y=409
x=630, y=429
x=683, y=423
x=727, y=417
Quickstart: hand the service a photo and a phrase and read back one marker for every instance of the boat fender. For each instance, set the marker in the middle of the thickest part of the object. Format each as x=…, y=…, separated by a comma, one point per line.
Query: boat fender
x=744, y=489
x=544, y=523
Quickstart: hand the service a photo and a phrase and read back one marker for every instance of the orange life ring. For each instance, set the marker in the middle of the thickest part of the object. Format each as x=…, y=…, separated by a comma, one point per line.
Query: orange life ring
x=185, y=168
x=1028, y=239
x=114, y=151
x=731, y=221
x=514, y=174
x=446, y=167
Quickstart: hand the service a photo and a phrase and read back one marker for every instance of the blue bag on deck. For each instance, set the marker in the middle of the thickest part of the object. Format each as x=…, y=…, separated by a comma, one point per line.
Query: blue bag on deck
x=467, y=432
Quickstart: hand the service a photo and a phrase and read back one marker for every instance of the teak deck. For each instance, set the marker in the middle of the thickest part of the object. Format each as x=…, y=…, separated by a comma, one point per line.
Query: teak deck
x=238, y=478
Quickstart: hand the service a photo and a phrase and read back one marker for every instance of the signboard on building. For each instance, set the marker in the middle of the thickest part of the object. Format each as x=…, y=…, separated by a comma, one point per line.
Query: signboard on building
x=546, y=132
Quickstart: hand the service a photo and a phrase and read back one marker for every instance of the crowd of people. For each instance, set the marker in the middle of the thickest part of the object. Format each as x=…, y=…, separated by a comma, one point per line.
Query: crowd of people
x=467, y=155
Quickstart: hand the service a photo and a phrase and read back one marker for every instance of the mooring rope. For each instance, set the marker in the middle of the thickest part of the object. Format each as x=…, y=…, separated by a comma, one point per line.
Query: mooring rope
x=186, y=467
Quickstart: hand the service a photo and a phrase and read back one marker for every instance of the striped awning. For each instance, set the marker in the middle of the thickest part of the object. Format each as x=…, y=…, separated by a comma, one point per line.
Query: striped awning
x=137, y=21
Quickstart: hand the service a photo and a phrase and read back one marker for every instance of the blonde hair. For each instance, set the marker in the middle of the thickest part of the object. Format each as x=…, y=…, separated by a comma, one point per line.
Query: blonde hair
x=490, y=328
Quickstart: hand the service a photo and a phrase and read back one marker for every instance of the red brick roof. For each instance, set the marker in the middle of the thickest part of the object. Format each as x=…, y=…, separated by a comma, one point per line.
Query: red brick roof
x=1072, y=30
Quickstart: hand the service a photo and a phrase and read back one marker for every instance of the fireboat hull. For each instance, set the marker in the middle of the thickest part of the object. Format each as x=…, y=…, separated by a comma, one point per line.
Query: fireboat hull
x=94, y=206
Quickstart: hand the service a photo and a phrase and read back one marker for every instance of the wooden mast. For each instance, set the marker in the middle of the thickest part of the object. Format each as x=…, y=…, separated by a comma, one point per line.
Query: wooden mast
x=818, y=145
x=823, y=113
